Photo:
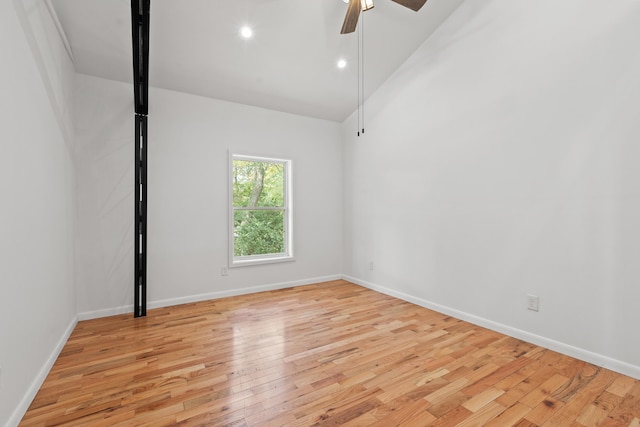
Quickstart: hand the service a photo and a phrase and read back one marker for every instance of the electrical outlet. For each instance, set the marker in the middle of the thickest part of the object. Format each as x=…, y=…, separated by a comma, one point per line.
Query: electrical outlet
x=532, y=302
x=371, y=265
x=224, y=271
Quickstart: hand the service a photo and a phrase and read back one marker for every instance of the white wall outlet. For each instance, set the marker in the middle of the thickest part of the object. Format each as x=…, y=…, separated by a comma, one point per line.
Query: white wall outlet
x=224, y=271
x=371, y=265
x=532, y=302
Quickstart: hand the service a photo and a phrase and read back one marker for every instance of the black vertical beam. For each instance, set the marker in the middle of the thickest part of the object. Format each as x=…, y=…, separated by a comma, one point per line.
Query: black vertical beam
x=140, y=39
x=140, y=33
x=140, y=215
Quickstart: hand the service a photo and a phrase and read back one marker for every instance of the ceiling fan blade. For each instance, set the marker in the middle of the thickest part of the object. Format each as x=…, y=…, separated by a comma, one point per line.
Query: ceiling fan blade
x=351, y=20
x=411, y=4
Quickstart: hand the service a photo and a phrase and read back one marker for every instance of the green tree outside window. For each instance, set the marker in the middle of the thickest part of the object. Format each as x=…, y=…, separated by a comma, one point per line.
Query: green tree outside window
x=259, y=207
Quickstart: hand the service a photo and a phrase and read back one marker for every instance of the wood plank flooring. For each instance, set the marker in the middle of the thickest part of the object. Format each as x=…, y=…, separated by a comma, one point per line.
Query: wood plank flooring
x=319, y=355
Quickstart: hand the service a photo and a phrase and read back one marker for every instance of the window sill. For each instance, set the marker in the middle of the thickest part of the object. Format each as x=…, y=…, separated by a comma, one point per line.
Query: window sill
x=247, y=262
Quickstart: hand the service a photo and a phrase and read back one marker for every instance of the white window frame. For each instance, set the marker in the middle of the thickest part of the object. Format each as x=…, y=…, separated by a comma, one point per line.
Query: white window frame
x=287, y=255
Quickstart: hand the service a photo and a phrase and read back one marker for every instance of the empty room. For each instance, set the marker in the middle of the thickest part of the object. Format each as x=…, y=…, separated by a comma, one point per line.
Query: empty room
x=320, y=212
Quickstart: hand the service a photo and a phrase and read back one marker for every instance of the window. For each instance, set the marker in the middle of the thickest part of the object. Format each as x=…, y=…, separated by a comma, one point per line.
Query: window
x=260, y=214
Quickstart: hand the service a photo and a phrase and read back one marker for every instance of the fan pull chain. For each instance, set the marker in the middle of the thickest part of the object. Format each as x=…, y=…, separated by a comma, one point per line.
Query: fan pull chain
x=359, y=33
x=362, y=56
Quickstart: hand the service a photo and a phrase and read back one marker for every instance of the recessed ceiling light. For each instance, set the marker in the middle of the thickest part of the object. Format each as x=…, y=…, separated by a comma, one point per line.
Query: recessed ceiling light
x=342, y=63
x=246, y=32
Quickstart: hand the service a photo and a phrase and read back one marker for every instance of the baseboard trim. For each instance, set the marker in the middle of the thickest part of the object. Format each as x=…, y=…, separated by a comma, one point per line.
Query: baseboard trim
x=569, y=350
x=88, y=315
x=33, y=389
x=242, y=291
x=97, y=314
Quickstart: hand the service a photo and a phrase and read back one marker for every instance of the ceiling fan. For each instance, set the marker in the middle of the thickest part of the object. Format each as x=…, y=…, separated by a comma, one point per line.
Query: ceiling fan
x=356, y=6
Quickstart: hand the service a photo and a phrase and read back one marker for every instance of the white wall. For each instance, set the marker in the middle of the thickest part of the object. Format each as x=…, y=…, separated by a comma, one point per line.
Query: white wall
x=502, y=159
x=37, y=295
x=104, y=181
x=189, y=139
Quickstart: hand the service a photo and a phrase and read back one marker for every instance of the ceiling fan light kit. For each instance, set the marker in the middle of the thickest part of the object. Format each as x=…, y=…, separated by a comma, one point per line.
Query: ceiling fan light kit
x=366, y=5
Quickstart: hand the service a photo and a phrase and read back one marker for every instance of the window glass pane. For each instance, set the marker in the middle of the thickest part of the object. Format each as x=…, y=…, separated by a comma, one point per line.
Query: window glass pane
x=258, y=232
x=258, y=184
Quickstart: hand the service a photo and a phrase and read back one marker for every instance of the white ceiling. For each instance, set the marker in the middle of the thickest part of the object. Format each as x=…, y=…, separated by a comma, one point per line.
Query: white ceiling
x=289, y=65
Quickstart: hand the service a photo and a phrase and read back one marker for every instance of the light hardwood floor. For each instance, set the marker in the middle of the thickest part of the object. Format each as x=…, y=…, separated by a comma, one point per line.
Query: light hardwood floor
x=327, y=354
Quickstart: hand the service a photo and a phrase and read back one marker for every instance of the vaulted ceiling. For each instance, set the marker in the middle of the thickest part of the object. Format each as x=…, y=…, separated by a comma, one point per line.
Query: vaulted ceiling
x=288, y=65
